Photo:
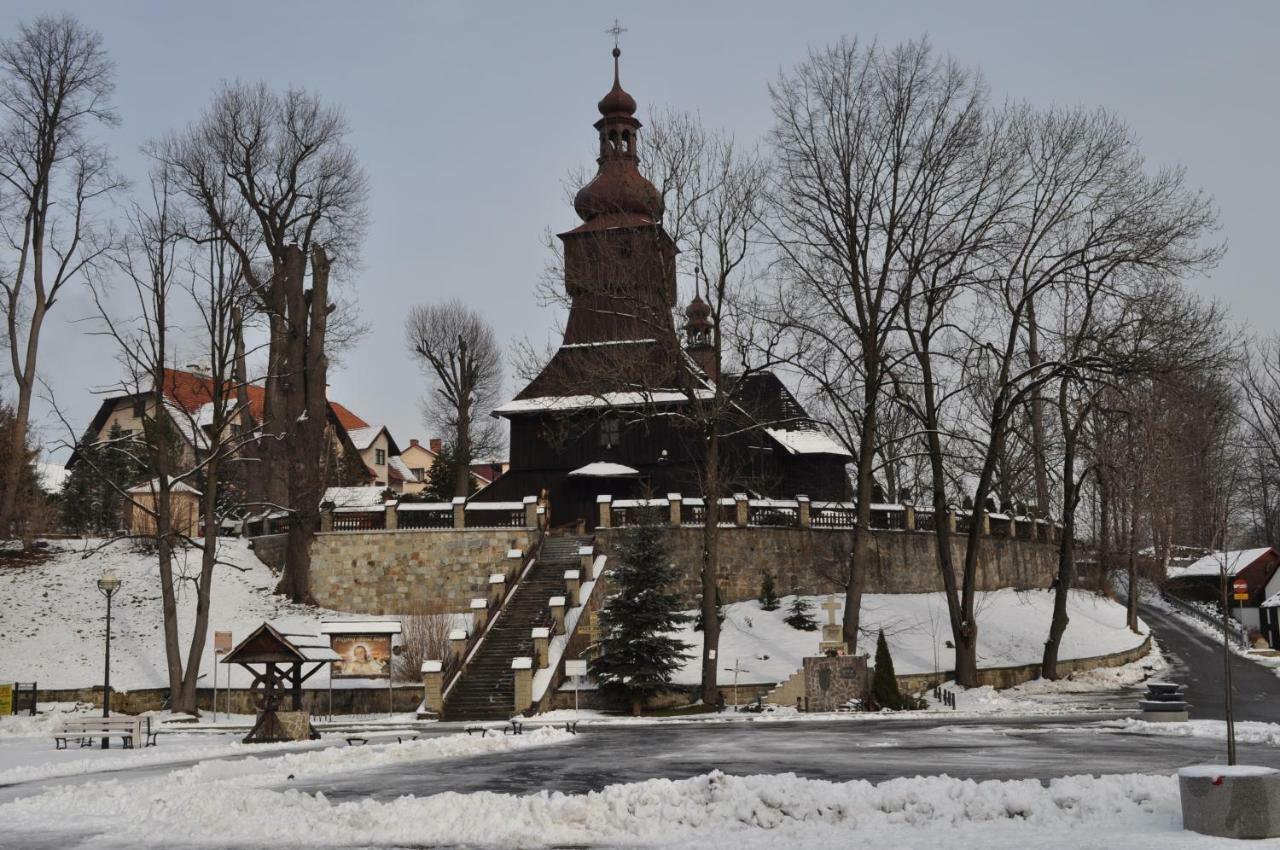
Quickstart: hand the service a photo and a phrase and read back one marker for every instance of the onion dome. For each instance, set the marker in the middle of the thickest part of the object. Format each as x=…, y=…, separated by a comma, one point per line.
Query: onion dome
x=698, y=311
x=618, y=189
x=617, y=101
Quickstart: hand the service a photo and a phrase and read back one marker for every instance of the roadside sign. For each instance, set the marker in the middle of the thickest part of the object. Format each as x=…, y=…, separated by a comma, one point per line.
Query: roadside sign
x=6, y=700
x=575, y=667
x=1242, y=597
x=1240, y=586
x=221, y=642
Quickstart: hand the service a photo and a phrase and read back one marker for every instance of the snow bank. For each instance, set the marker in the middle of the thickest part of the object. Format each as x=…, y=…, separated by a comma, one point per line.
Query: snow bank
x=714, y=810
x=1247, y=731
x=1012, y=626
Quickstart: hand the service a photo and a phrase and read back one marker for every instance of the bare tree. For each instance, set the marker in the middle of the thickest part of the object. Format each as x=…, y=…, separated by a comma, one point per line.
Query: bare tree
x=275, y=179
x=179, y=448
x=866, y=141
x=55, y=84
x=456, y=348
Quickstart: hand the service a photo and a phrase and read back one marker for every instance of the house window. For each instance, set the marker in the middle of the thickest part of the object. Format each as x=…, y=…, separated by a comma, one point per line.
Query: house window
x=139, y=408
x=419, y=473
x=610, y=432
x=379, y=457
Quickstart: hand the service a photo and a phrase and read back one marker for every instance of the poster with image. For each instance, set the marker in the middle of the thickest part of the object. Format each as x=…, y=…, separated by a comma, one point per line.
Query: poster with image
x=363, y=656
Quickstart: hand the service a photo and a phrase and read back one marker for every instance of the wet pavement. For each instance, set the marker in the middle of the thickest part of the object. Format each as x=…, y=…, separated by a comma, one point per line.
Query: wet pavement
x=1196, y=660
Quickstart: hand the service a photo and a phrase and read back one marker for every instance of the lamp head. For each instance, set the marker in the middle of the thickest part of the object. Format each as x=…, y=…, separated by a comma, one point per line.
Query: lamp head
x=108, y=584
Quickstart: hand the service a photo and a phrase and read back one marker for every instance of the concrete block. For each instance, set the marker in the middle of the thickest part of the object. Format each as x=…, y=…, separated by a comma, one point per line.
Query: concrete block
x=1240, y=801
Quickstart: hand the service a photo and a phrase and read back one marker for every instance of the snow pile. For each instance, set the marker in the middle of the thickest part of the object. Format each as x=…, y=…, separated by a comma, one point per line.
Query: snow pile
x=1012, y=626
x=1247, y=731
x=713, y=810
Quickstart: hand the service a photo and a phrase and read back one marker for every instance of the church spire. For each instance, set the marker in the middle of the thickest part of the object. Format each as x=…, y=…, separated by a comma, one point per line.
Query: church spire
x=619, y=187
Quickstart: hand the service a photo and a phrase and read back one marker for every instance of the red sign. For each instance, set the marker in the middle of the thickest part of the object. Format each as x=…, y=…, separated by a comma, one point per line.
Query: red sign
x=1240, y=586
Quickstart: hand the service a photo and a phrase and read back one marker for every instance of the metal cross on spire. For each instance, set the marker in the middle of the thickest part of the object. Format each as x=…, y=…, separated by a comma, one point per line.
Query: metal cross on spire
x=616, y=30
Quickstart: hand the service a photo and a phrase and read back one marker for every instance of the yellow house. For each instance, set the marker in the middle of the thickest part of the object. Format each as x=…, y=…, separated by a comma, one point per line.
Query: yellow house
x=184, y=508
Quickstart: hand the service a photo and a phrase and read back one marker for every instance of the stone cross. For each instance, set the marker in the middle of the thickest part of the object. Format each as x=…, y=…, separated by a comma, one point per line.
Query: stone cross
x=831, y=606
x=832, y=633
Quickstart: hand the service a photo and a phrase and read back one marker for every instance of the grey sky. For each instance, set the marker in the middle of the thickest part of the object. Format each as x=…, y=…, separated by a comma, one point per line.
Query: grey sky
x=467, y=115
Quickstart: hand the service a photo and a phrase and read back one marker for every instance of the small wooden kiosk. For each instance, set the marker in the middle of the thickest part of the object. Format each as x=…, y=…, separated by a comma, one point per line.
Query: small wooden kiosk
x=280, y=662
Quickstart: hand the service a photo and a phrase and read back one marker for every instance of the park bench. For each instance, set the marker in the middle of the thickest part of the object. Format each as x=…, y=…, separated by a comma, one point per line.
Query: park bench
x=361, y=740
x=130, y=730
x=571, y=726
x=514, y=727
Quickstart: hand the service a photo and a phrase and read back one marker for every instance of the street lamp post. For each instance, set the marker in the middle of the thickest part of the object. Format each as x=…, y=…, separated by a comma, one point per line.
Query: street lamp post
x=107, y=586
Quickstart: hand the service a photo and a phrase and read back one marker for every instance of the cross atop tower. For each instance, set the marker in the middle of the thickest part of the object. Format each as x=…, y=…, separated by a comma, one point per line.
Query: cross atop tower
x=616, y=30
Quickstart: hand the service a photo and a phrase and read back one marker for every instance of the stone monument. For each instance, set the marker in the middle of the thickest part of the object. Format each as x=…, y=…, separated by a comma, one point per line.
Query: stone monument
x=832, y=632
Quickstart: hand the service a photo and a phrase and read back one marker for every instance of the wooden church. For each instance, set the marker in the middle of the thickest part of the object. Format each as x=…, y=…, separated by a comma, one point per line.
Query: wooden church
x=620, y=409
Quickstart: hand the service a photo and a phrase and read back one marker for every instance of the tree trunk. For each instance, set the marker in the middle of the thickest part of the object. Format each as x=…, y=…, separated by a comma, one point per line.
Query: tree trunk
x=12, y=472
x=1066, y=542
x=710, y=564
x=187, y=702
x=462, y=440
x=1039, y=461
x=863, y=544
x=306, y=408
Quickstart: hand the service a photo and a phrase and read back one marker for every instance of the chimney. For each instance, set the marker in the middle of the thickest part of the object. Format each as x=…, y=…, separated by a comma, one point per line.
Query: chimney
x=437, y=445
x=413, y=442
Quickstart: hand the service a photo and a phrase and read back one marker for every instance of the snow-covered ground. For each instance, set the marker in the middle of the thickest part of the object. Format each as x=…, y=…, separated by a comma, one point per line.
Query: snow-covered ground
x=52, y=620
x=247, y=803
x=1012, y=626
x=52, y=616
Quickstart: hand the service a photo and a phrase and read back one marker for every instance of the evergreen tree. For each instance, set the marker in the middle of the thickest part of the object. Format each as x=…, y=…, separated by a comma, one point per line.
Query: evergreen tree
x=800, y=614
x=91, y=502
x=441, y=480
x=768, y=595
x=884, y=683
x=638, y=655
x=698, y=623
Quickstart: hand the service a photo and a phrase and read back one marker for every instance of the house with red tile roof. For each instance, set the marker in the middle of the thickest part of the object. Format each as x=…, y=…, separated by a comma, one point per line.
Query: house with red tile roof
x=188, y=399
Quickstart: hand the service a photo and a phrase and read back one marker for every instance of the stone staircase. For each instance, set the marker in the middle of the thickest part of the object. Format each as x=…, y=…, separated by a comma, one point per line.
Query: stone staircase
x=486, y=690
x=789, y=692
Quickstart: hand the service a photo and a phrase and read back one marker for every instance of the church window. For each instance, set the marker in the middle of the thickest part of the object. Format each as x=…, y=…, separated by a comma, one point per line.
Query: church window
x=610, y=432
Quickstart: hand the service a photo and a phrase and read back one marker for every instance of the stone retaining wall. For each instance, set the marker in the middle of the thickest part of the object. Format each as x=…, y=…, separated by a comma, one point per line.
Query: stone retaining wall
x=814, y=559
x=911, y=683
x=390, y=572
x=406, y=696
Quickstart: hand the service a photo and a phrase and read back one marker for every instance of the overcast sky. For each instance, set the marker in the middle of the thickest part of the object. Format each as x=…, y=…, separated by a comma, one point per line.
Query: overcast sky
x=467, y=115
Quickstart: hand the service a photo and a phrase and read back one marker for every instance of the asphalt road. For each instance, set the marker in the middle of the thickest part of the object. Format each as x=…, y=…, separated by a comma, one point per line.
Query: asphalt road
x=1197, y=662
x=839, y=750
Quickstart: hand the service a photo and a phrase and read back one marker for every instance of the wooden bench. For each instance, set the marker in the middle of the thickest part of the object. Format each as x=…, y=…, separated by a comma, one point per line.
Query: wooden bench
x=361, y=740
x=514, y=727
x=571, y=726
x=476, y=727
x=85, y=729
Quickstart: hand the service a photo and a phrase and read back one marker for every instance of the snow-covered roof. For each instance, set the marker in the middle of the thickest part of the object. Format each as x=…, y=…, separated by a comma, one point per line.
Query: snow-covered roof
x=807, y=442
x=541, y=404
x=153, y=486
x=401, y=467
x=604, y=469
x=360, y=627
x=1272, y=601
x=362, y=438
x=1212, y=564
x=354, y=497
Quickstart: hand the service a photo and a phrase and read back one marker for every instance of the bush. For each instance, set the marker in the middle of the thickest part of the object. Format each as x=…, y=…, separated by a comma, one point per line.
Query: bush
x=800, y=614
x=768, y=595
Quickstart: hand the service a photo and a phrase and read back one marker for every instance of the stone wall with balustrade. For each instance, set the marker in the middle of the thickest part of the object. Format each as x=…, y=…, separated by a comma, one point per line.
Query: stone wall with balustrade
x=806, y=545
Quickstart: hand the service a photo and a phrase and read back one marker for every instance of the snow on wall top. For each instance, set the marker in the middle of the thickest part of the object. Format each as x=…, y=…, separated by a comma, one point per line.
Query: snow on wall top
x=354, y=497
